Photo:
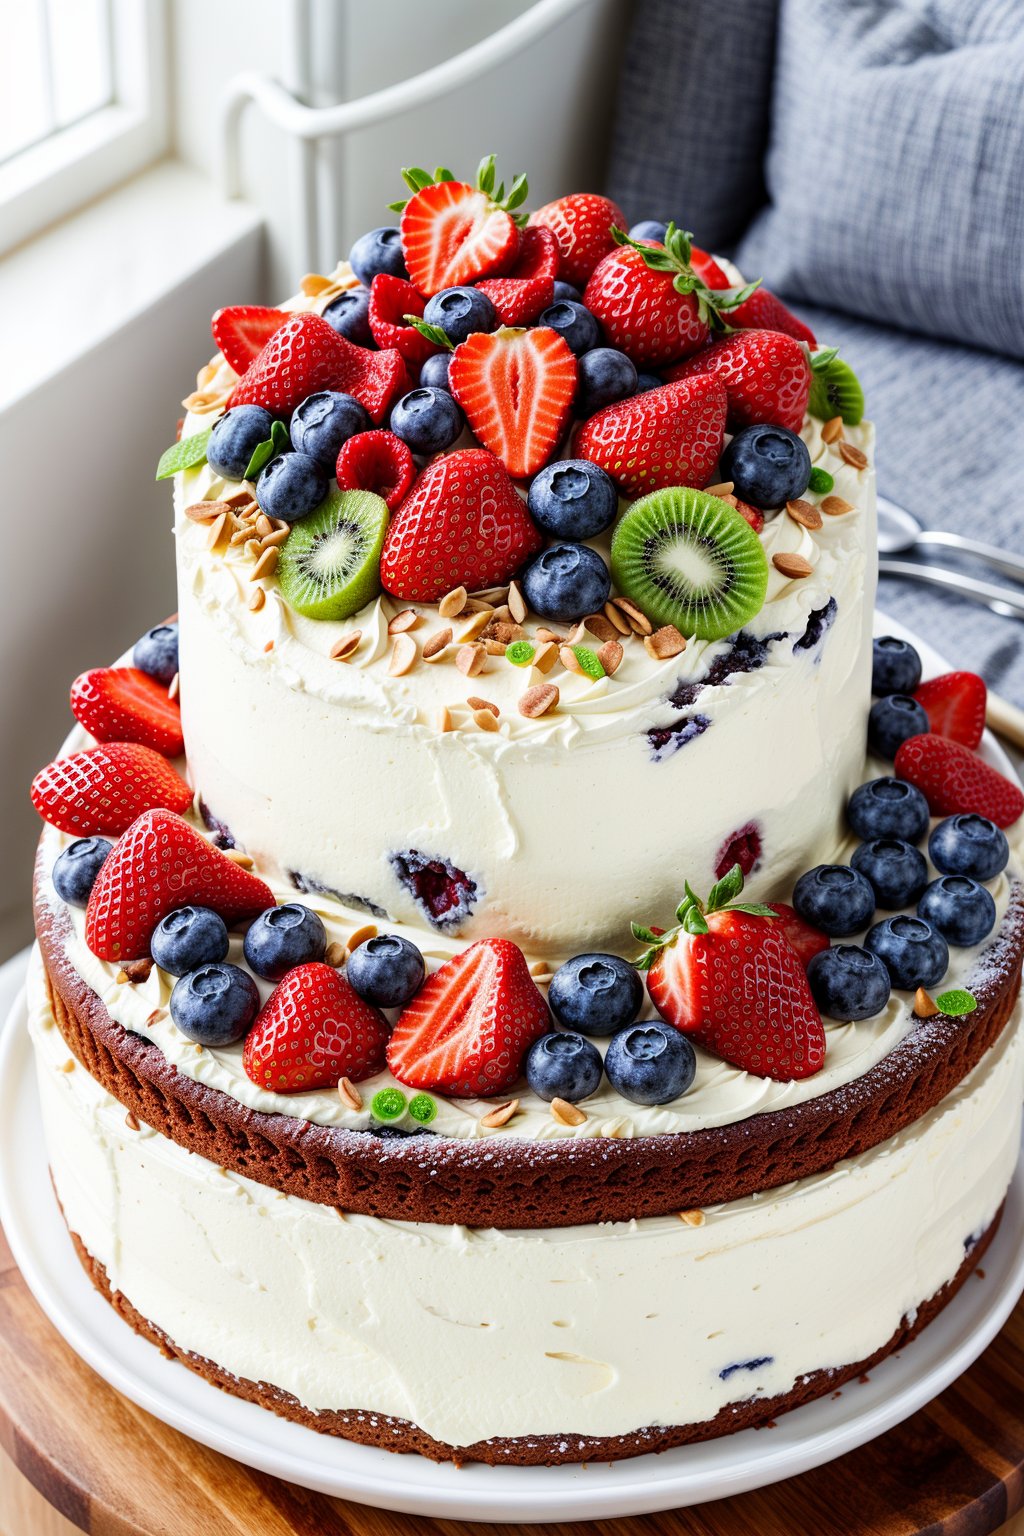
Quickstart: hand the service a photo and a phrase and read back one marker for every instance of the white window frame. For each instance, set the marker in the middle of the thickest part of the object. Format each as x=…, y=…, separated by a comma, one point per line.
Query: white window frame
x=53, y=178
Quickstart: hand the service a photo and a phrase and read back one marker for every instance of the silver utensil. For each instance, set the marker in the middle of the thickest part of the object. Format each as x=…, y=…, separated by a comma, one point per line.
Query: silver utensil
x=899, y=531
x=1002, y=600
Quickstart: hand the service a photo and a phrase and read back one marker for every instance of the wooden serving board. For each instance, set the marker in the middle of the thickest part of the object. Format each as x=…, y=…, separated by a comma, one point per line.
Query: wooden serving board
x=79, y=1456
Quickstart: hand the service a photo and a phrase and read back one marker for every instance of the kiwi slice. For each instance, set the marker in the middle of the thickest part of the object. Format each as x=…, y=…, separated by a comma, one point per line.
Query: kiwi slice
x=690, y=559
x=330, y=562
x=836, y=391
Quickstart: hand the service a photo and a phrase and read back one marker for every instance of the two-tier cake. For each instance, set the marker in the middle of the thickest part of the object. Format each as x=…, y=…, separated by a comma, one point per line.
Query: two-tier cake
x=504, y=990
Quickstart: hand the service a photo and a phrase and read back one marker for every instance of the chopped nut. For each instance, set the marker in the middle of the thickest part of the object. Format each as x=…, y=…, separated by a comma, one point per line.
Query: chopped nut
x=545, y=656
x=314, y=283
x=174, y=686
x=494, y=647
x=345, y=648
x=485, y=721
x=471, y=660
x=257, y=600
x=576, y=634
x=205, y=511
x=616, y=617
x=665, y=642
x=566, y=1113
x=804, y=513
x=723, y=488
x=792, y=565
x=266, y=565
x=538, y=700
x=476, y=626
x=832, y=431
x=360, y=936
x=403, y=655
x=503, y=630
x=835, y=506
x=433, y=647
x=516, y=602
x=243, y=860
x=925, y=1006
x=600, y=627
x=693, y=1218
x=252, y=548
x=544, y=635
x=245, y=494
x=349, y=1094
x=570, y=661
x=135, y=971
x=335, y=953
x=853, y=456
x=443, y=719
x=131, y=1121
x=263, y=526
x=218, y=529
x=155, y=1017
x=268, y=647
x=275, y=538
x=475, y=702
x=500, y=1115
x=200, y=401
x=610, y=656
x=68, y=1066
x=638, y=621
x=240, y=536
x=452, y=604
x=407, y=619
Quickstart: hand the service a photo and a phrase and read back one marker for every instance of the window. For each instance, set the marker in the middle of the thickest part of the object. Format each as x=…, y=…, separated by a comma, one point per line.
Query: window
x=82, y=104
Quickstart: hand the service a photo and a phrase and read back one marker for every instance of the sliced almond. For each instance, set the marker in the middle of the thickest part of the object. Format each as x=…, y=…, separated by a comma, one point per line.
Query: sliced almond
x=443, y=719
x=494, y=647
x=471, y=660
x=476, y=626
x=452, y=604
x=545, y=656
x=345, y=648
x=485, y=721
x=570, y=661
x=538, y=700
x=349, y=1094
x=832, y=431
x=723, y=488
x=600, y=627
x=544, y=635
x=638, y=621
x=853, y=456
x=243, y=860
x=266, y=565
x=925, y=1007
x=693, y=1218
x=665, y=642
x=433, y=647
x=566, y=1113
x=792, y=565
x=335, y=954
x=500, y=1115
x=610, y=656
x=174, y=686
x=403, y=655
x=475, y=702
x=239, y=536
x=314, y=283
x=835, y=506
x=275, y=538
x=263, y=526
x=257, y=600
x=360, y=935
x=253, y=548
x=218, y=530
x=804, y=513
x=577, y=634
x=131, y=1121
x=617, y=617
x=516, y=602
x=245, y=495
x=407, y=619
x=205, y=511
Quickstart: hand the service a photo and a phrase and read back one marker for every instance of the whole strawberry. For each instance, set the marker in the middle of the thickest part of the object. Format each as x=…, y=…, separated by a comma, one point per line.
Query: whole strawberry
x=668, y=436
x=103, y=789
x=469, y=1027
x=124, y=704
x=582, y=224
x=313, y=1031
x=516, y=388
x=462, y=524
x=305, y=356
x=953, y=779
x=762, y=311
x=767, y=376
x=729, y=978
x=454, y=233
x=652, y=303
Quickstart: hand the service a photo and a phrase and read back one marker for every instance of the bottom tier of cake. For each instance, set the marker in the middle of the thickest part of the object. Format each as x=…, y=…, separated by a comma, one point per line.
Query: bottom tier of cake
x=569, y=1344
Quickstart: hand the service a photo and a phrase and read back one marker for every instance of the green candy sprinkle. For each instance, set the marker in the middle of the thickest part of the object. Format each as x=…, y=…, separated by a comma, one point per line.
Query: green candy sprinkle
x=520, y=653
x=589, y=661
x=422, y=1108
x=388, y=1104
x=956, y=1002
x=820, y=481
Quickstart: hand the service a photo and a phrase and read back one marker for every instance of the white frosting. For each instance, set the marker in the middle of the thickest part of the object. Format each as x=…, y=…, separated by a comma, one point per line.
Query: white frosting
x=595, y=1330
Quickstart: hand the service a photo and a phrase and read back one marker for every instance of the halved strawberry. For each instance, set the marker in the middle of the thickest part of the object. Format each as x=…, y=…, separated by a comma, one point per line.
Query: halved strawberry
x=312, y=1031
x=305, y=356
x=667, y=436
x=242, y=331
x=955, y=706
x=582, y=224
x=766, y=375
x=469, y=1027
x=391, y=299
x=516, y=388
x=518, y=300
x=807, y=940
x=379, y=462
x=729, y=978
x=453, y=233
x=954, y=779
x=102, y=790
x=158, y=864
x=462, y=524
x=124, y=704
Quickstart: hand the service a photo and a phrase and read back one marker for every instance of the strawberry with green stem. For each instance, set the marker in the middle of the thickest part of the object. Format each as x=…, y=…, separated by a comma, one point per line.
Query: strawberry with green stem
x=453, y=232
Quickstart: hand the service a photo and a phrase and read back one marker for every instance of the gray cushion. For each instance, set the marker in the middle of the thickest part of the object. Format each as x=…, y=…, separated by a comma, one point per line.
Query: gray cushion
x=896, y=165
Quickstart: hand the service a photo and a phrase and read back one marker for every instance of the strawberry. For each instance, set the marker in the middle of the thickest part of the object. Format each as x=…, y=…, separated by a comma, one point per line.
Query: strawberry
x=468, y=1028
x=391, y=299
x=516, y=388
x=161, y=863
x=312, y=1031
x=766, y=375
x=652, y=303
x=582, y=224
x=462, y=524
x=519, y=300
x=454, y=233
x=667, y=436
x=763, y=311
x=955, y=706
x=243, y=330
x=538, y=254
x=807, y=940
x=102, y=790
x=378, y=462
x=753, y=515
x=954, y=779
x=305, y=356
x=729, y=977
x=124, y=704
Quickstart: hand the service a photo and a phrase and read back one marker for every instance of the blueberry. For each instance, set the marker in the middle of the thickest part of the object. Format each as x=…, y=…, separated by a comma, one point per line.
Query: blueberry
x=291, y=487
x=597, y=994
x=848, y=982
x=563, y=1065
x=650, y=1063
x=387, y=971
x=349, y=315
x=434, y=373
x=895, y=667
x=915, y=953
x=379, y=250
x=605, y=375
x=897, y=870
x=649, y=229
x=75, y=870
x=835, y=898
x=156, y=652
x=234, y=439
x=888, y=808
x=323, y=422
x=566, y=293
x=215, y=1004
x=427, y=420
x=567, y=581
x=188, y=938
x=283, y=937
x=892, y=720
x=573, y=499
x=646, y=382
x=969, y=845
x=461, y=312
x=767, y=465
x=961, y=909
x=574, y=323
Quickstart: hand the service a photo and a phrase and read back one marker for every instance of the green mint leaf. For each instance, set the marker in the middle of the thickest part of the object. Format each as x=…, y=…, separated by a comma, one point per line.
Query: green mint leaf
x=957, y=1002
x=432, y=333
x=269, y=449
x=185, y=454
x=726, y=889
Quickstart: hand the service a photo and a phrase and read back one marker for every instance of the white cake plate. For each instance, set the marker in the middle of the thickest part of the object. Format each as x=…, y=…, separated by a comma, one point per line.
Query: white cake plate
x=801, y=1440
